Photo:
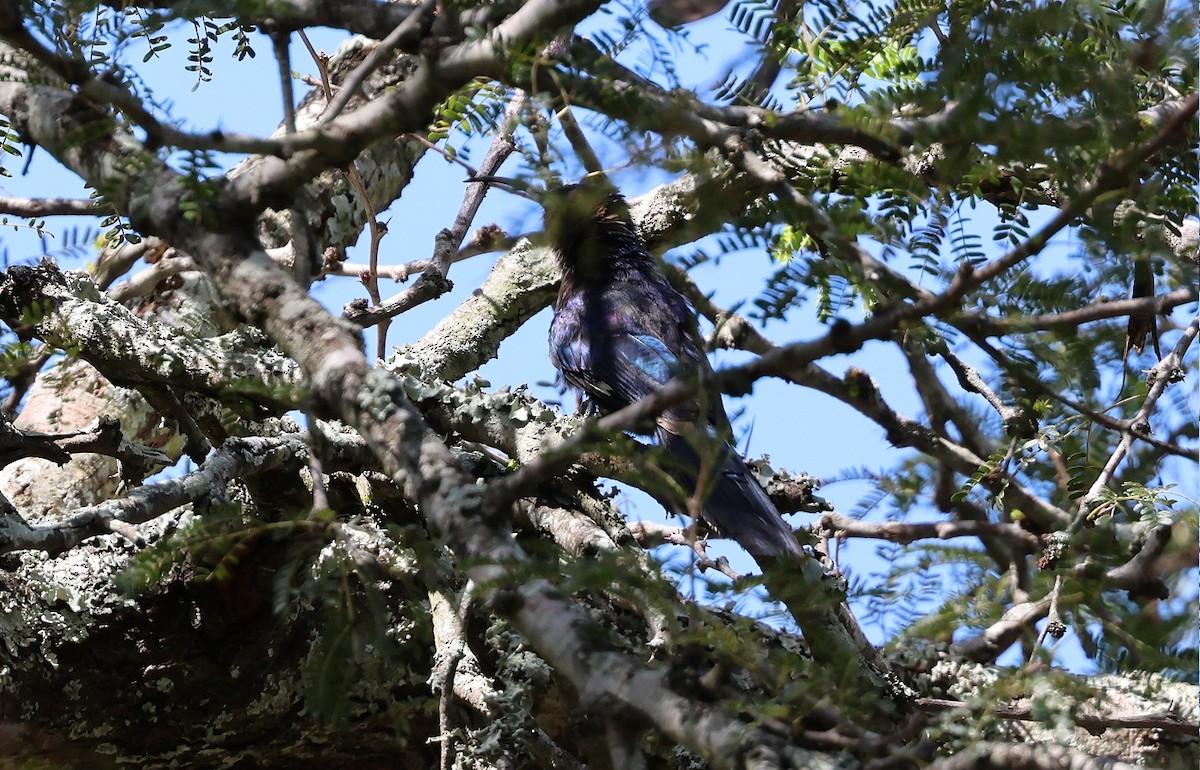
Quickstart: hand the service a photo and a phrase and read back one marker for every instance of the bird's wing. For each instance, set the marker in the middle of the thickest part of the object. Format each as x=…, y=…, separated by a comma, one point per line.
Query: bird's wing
x=639, y=365
x=572, y=356
x=617, y=370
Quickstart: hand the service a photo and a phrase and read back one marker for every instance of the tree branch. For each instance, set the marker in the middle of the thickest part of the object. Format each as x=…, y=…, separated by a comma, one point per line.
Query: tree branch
x=48, y=207
x=433, y=283
x=837, y=525
x=67, y=311
x=1073, y=319
x=236, y=458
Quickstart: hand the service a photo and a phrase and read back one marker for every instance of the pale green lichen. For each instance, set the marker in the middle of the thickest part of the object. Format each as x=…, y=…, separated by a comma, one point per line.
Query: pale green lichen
x=962, y=679
x=346, y=219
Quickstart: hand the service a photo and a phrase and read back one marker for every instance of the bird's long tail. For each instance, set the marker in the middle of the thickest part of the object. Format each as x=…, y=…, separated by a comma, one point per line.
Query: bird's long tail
x=737, y=506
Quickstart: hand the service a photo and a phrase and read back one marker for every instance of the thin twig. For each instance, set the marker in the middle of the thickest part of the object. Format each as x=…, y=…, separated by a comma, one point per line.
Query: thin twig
x=283, y=60
x=486, y=241
x=501, y=148
x=449, y=156
x=575, y=136
x=433, y=283
x=1052, y=619
x=1072, y=319
x=1031, y=382
x=370, y=277
x=1016, y=421
x=322, y=60
x=650, y=534
x=1165, y=372
x=406, y=32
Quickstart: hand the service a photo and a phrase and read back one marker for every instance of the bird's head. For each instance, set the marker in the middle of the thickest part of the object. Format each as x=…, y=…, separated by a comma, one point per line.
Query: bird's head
x=587, y=223
x=590, y=209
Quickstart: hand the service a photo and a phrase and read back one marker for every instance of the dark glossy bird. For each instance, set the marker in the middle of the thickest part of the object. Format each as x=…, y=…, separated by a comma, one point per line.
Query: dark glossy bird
x=620, y=332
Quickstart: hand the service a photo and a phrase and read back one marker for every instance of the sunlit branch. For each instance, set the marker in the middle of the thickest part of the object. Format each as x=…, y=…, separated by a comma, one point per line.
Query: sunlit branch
x=486, y=241
x=140, y=351
x=48, y=207
x=1138, y=575
x=837, y=525
x=998, y=637
x=145, y=282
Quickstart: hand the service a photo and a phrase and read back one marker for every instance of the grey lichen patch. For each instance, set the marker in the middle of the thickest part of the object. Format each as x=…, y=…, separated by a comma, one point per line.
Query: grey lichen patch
x=511, y=419
x=1146, y=692
x=49, y=604
x=1057, y=711
x=1057, y=704
x=961, y=679
x=346, y=216
x=79, y=284
x=46, y=605
x=512, y=733
x=364, y=536
x=378, y=395
x=280, y=693
x=463, y=498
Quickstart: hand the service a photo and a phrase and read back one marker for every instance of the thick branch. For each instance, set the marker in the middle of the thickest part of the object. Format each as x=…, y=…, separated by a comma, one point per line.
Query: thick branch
x=236, y=458
x=67, y=311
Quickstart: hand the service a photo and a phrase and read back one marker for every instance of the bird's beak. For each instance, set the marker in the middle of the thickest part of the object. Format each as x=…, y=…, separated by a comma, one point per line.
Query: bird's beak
x=518, y=187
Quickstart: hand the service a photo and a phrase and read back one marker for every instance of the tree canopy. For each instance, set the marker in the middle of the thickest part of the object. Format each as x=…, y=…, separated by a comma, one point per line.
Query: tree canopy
x=238, y=526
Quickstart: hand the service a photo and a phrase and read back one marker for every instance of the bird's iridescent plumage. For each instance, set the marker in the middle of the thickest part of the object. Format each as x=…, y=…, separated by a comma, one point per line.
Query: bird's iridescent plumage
x=620, y=332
